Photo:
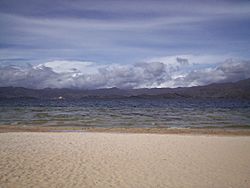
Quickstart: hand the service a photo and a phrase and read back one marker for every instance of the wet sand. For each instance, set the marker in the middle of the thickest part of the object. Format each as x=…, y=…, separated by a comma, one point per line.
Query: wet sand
x=220, y=131
x=85, y=159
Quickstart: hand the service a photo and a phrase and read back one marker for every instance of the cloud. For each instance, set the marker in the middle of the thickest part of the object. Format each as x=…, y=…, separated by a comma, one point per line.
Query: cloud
x=71, y=66
x=179, y=72
x=182, y=61
x=29, y=77
x=124, y=31
x=228, y=71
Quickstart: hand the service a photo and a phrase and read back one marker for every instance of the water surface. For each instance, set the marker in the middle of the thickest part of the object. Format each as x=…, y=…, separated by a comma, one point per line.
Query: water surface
x=126, y=113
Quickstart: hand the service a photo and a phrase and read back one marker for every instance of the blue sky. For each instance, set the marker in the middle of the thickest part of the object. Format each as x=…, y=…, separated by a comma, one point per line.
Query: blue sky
x=62, y=34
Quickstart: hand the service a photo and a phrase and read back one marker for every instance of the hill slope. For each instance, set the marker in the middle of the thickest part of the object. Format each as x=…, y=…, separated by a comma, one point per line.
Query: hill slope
x=240, y=89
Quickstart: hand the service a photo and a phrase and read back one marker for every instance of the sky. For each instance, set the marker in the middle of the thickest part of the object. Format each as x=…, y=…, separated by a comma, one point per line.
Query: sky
x=89, y=44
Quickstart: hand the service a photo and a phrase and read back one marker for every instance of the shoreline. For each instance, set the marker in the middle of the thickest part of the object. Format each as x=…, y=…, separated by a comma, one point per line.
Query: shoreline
x=183, y=131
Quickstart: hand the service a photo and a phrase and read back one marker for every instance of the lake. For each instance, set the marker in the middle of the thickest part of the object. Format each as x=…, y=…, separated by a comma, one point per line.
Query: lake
x=174, y=113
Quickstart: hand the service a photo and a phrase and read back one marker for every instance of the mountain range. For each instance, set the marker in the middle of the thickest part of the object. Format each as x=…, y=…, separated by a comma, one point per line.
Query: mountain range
x=236, y=90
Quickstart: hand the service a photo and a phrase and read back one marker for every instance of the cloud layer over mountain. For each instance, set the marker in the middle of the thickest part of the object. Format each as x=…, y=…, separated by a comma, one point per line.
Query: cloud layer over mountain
x=168, y=72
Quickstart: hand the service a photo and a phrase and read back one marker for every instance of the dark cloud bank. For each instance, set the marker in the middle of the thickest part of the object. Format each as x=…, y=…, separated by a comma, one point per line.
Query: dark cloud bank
x=140, y=75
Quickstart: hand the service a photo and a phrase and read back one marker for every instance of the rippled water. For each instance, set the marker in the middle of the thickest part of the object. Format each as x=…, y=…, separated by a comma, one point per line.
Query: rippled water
x=126, y=113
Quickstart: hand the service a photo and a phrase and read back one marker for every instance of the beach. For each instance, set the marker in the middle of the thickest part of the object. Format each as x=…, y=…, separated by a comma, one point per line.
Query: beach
x=92, y=159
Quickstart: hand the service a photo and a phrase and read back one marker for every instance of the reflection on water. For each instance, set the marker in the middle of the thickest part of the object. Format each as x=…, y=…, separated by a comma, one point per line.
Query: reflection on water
x=126, y=112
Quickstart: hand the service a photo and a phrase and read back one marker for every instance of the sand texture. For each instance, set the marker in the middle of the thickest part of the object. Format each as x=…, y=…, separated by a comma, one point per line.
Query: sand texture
x=123, y=160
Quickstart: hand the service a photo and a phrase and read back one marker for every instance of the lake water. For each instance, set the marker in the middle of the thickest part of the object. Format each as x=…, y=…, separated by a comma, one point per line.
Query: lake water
x=127, y=113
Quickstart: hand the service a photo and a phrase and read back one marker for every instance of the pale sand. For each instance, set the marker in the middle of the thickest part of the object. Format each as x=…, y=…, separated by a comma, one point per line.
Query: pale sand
x=123, y=160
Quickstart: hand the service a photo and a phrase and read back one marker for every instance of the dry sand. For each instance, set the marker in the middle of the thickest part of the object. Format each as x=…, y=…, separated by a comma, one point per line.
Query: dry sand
x=123, y=160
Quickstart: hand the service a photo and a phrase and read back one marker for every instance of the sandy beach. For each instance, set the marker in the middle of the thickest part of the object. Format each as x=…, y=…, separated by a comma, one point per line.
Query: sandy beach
x=85, y=159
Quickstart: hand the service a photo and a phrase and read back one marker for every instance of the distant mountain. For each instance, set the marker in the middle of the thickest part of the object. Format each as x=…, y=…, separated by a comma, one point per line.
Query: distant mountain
x=239, y=90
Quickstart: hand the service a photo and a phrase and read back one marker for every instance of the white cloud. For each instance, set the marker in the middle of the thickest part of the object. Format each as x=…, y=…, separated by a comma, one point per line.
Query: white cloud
x=172, y=72
x=192, y=59
x=229, y=71
x=71, y=66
